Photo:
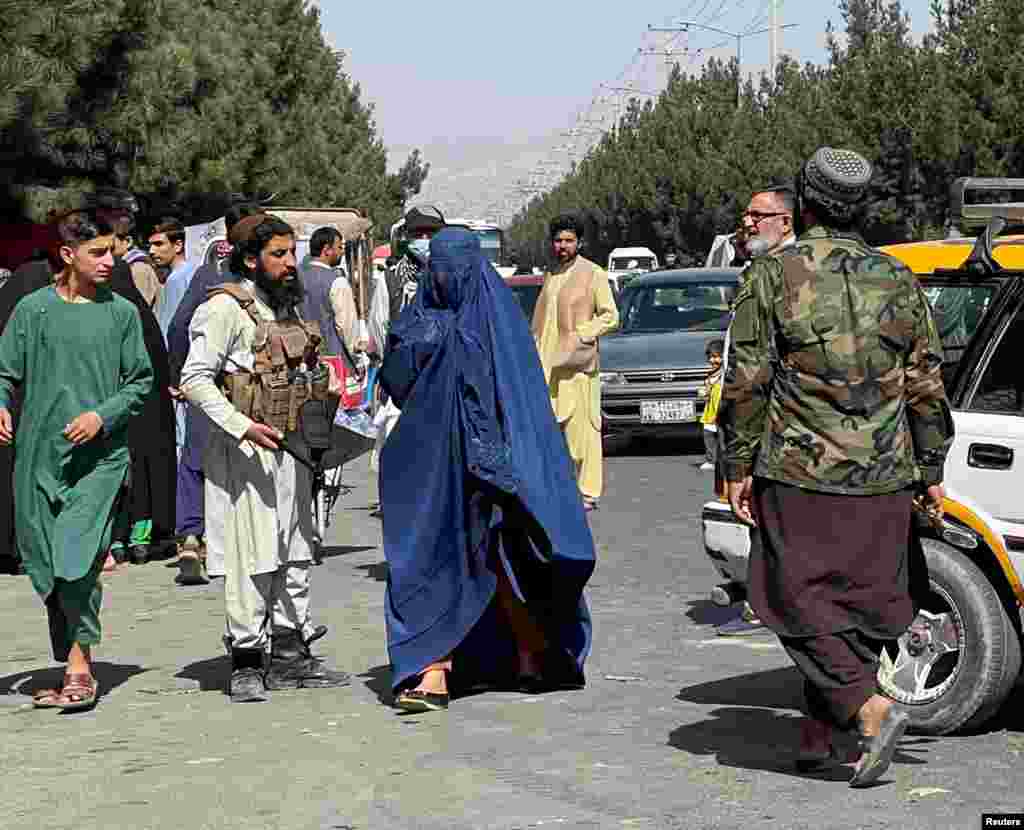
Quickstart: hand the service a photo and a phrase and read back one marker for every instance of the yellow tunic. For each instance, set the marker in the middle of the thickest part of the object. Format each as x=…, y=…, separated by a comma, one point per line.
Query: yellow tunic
x=576, y=393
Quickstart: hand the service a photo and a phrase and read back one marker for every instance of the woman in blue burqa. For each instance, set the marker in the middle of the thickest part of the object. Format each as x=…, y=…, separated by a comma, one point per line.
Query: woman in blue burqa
x=486, y=538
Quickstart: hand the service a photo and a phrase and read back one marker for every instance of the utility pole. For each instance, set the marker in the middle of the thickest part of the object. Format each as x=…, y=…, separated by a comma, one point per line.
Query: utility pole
x=685, y=25
x=773, y=38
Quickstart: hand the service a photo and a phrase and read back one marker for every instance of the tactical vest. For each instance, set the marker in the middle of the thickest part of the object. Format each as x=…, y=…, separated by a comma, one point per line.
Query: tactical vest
x=286, y=372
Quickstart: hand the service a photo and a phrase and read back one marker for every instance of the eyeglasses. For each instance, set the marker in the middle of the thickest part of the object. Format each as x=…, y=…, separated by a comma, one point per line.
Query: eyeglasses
x=757, y=217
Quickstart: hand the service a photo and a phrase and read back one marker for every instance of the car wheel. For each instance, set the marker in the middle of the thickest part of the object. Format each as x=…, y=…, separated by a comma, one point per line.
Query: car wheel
x=615, y=443
x=958, y=661
x=1011, y=675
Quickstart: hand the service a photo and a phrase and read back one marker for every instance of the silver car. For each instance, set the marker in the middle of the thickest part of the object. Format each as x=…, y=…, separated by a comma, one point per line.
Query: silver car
x=653, y=368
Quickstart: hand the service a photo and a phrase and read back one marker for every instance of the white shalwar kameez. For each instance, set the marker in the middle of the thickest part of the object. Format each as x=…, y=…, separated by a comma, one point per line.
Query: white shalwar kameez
x=259, y=526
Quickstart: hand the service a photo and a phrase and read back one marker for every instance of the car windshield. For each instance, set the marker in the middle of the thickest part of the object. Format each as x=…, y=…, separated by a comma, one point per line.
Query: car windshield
x=957, y=309
x=526, y=295
x=690, y=306
x=630, y=263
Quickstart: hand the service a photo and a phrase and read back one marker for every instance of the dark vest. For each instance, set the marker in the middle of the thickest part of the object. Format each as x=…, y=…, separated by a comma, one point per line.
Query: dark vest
x=316, y=306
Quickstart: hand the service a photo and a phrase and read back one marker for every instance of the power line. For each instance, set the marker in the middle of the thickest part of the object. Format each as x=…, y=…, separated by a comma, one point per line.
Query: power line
x=686, y=25
x=606, y=106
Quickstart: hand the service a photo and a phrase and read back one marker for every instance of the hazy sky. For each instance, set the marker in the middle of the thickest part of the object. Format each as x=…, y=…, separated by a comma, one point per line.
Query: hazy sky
x=448, y=71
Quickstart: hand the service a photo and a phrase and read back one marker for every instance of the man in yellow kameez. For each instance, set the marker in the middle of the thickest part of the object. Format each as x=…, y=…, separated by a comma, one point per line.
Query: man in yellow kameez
x=574, y=309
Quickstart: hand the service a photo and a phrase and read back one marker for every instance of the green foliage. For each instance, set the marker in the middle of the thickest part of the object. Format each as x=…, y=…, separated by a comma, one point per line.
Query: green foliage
x=676, y=172
x=174, y=98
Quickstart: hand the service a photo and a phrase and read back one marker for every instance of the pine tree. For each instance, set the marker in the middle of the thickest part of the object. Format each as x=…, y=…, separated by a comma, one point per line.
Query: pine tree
x=177, y=98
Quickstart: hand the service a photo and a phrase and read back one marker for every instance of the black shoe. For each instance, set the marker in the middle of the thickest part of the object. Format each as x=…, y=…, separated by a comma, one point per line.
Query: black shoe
x=11, y=565
x=877, y=750
x=247, y=686
x=191, y=570
x=139, y=554
x=416, y=700
x=292, y=666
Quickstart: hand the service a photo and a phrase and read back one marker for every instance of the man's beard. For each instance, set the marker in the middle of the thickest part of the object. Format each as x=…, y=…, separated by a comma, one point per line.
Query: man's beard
x=281, y=295
x=760, y=245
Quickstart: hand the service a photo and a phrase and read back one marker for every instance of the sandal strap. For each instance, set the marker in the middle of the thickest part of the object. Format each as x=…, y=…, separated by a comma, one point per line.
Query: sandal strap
x=79, y=685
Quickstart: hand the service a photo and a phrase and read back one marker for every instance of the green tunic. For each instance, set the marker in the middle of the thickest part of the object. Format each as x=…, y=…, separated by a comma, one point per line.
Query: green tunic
x=71, y=358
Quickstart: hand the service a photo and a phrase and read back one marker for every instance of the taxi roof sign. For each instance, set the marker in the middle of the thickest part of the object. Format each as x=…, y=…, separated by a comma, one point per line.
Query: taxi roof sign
x=975, y=202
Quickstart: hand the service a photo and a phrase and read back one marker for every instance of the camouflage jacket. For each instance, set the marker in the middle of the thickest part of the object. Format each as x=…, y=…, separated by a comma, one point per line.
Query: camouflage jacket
x=833, y=379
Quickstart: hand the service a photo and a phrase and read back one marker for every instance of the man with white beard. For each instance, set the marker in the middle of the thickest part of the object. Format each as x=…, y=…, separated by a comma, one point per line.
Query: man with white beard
x=767, y=227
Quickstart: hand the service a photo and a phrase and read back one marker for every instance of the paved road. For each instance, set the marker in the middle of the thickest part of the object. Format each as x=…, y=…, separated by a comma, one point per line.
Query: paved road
x=676, y=729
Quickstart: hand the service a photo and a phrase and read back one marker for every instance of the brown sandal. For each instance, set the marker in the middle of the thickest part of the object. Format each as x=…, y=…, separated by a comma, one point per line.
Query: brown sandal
x=80, y=686
x=47, y=698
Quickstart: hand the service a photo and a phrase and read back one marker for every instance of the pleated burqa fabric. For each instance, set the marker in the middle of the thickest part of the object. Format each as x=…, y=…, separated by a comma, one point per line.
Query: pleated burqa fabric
x=476, y=476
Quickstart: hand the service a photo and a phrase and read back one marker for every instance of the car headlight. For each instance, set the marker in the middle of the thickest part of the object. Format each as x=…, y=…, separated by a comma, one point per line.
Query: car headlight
x=612, y=379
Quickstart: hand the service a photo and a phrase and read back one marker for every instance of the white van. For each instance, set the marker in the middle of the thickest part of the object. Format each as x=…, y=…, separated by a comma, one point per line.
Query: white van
x=624, y=261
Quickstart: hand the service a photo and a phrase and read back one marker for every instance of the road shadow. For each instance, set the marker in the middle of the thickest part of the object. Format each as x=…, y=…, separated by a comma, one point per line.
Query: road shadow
x=108, y=677
x=705, y=612
x=344, y=550
x=760, y=739
x=377, y=571
x=660, y=447
x=772, y=689
x=378, y=681
x=211, y=675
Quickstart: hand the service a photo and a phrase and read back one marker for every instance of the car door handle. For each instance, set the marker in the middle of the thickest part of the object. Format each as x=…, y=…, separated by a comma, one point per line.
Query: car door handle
x=989, y=457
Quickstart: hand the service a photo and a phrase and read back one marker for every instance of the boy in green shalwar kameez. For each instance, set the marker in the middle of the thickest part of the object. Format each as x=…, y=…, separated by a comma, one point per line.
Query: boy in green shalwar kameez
x=77, y=350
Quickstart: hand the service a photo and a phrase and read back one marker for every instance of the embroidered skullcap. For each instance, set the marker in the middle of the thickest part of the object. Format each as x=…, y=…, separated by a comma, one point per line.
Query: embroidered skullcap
x=835, y=181
x=243, y=230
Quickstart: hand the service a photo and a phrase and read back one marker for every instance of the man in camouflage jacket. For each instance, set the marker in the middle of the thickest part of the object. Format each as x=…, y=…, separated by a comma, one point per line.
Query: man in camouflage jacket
x=836, y=418
x=835, y=382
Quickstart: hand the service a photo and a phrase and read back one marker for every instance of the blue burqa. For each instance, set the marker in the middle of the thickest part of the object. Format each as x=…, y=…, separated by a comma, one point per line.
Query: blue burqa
x=475, y=476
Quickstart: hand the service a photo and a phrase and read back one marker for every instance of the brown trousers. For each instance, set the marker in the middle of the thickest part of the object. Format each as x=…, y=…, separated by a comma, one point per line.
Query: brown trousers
x=839, y=673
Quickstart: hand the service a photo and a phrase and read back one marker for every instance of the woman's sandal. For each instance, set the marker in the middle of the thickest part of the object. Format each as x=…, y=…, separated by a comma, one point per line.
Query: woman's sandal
x=79, y=693
x=420, y=700
x=877, y=750
x=417, y=700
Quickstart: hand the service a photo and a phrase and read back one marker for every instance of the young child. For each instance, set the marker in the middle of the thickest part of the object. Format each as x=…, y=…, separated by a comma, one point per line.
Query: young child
x=712, y=394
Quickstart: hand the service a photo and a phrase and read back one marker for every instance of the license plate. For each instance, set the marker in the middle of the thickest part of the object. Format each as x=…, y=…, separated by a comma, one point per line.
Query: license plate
x=660, y=412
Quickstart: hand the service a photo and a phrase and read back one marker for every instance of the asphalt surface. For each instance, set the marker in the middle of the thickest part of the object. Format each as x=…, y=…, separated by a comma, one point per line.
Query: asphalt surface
x=677, y=728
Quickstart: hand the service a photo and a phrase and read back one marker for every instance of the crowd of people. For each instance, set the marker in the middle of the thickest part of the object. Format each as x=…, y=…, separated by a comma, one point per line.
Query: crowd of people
x=162, y=411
